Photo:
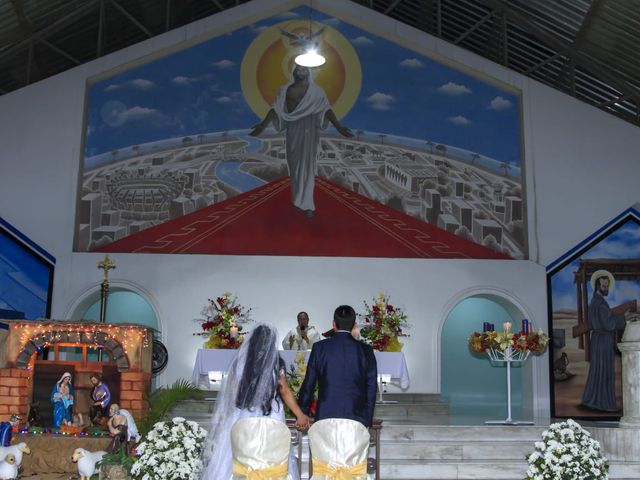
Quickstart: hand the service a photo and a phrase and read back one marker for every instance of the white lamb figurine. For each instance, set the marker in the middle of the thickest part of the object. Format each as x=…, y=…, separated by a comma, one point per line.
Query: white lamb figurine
x=16, y=450
x=8, y=467
x=87, y=462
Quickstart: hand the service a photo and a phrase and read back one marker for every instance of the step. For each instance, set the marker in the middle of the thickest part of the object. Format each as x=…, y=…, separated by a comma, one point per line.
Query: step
x=445, y=470
x=428, y=451
x=461, y=433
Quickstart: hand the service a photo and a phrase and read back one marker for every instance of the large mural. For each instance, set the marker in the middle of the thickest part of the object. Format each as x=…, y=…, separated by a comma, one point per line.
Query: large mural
x=593, y=292
x=224, y=147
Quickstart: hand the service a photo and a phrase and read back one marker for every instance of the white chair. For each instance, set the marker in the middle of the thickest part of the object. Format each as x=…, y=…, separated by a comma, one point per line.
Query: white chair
x=260, y=448
x=339, y=449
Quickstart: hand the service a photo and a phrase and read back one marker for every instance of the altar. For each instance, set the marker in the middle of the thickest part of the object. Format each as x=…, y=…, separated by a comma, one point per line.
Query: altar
x=392, y=365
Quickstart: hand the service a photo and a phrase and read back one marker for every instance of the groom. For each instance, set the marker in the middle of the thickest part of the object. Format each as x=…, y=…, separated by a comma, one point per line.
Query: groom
x=345, y=371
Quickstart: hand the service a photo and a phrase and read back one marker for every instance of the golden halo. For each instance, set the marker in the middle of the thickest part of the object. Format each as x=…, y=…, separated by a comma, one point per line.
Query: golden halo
x=269, y=60
x=603, y=273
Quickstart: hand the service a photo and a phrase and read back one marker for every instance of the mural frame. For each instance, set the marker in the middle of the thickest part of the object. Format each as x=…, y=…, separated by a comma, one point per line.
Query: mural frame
x=516, y=238
x=628, y=217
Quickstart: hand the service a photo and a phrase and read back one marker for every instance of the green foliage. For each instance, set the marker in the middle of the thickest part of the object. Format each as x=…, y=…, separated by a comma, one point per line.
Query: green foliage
x=163, y=399
x=121, y=457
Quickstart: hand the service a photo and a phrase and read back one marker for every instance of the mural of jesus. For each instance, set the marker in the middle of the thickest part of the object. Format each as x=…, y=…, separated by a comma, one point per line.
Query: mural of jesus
x=302, y=109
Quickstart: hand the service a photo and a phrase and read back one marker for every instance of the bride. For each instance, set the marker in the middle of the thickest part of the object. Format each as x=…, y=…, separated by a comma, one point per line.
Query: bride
x=255, y=386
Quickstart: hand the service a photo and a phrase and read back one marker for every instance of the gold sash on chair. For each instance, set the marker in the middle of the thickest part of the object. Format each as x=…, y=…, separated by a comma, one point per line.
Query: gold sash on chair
x=276, y=471
x=339, y=472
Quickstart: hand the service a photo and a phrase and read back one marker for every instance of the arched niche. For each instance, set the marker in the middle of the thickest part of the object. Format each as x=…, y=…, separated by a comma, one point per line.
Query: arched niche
x=128, y=302
x=475, y=389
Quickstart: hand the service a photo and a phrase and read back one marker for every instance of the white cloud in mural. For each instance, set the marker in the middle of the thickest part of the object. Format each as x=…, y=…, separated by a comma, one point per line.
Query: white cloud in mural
x=259, y=28
x=452, y=88
x=362, y=41
x=500, y=103
x=224, y=99
x=333, y=21
x=115, y=114
x=223, y=64
x=181, y=80
x=411, y=63
x=459, y=120
x=139, y=83
x=380, y=101
x=142, y=83
x=138, y=113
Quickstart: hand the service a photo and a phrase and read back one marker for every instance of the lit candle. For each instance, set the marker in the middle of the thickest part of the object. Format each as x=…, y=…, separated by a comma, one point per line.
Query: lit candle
x=233, y=331
x=507, y=326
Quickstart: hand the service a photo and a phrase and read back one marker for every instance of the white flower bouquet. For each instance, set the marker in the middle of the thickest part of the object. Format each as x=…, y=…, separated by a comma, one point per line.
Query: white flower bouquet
x=171, y=451
x=567, y=451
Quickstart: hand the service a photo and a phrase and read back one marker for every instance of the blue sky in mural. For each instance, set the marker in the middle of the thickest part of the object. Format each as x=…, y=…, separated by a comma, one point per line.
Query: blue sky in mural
x=197, y=90
x=621, y=244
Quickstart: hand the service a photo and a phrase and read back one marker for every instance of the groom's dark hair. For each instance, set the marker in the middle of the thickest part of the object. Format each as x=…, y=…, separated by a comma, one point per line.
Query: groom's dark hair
x=345, y=317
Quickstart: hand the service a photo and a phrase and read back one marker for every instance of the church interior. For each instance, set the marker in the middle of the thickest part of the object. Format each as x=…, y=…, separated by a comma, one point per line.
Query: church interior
x=479, y=183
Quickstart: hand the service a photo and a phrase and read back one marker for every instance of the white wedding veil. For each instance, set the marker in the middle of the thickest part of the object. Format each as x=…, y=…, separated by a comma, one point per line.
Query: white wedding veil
x=250, y=385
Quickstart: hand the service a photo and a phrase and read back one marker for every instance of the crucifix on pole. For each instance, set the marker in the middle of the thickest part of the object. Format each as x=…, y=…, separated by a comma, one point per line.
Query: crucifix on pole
x=106, y=264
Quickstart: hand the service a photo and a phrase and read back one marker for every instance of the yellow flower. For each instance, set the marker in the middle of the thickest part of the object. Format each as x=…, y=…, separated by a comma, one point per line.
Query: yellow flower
x=380, y=295
x=226, y=294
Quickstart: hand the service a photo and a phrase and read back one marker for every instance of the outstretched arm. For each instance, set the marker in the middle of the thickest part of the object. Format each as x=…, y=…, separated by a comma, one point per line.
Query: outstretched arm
x=271, y=117
x=302, y=421
x=342, y=130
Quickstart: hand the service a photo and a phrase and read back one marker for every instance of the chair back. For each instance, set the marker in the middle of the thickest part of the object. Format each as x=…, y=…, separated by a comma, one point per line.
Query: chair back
x=260, y=444
x=338, y=445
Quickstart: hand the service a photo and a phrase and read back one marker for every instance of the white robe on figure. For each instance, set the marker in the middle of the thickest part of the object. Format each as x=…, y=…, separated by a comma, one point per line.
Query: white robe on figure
x=302, y=127
x=300, y=343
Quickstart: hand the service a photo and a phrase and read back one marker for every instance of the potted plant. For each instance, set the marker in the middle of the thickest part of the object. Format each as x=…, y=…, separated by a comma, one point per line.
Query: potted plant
x=567, y=451
x=117, y=465
x=172, y=450
x=163, y=399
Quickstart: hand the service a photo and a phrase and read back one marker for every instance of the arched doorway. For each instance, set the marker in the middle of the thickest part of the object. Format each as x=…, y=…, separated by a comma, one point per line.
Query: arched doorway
x=127, y=303
x=475, y=389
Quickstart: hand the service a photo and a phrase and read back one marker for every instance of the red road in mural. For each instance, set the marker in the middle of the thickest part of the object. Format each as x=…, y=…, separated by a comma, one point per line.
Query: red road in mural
x=264, y=222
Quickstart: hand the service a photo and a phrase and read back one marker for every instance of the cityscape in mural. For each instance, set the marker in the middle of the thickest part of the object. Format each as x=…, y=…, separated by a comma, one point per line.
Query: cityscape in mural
x=171, y=137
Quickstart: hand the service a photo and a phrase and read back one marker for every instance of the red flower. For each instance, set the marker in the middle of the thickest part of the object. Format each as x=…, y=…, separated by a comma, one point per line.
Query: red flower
x=389, y=308
x=236, y=310
x=375, y=310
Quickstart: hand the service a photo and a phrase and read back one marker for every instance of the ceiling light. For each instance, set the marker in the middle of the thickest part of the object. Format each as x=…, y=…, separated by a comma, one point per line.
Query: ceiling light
x=310, y=58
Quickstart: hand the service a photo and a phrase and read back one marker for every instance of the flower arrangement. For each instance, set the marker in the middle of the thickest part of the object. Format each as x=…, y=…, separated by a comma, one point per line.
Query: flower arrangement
x=224, y=317
x=383, y=324
x=567, y=451
x=295, y=377
x=171, y=451
x=532, y=341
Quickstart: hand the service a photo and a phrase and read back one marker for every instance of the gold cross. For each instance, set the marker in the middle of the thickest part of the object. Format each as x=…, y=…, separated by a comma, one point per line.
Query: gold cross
x=106, y=265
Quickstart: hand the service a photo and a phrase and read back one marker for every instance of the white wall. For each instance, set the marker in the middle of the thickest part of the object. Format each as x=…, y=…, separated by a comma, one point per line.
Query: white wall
x=581, y=169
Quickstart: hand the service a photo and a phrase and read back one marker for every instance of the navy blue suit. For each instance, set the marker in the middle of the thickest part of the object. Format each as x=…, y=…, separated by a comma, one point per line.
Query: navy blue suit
x=346, y=373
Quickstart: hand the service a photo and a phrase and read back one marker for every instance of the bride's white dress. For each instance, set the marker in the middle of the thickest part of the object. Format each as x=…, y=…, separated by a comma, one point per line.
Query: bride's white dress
x=219, y=467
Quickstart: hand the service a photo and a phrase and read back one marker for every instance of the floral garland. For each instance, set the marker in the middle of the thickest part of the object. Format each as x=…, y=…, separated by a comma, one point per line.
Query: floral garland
x=535, y=342
x=224, y=317
x=567, y=451
x=171, y=451
x=383, y=324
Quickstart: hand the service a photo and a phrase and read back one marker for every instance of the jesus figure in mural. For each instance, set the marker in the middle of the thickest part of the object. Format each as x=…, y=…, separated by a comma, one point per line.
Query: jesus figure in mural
x=302, y=109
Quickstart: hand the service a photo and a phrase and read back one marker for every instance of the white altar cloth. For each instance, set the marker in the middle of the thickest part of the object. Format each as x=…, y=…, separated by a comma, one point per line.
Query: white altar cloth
x=218, y=360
